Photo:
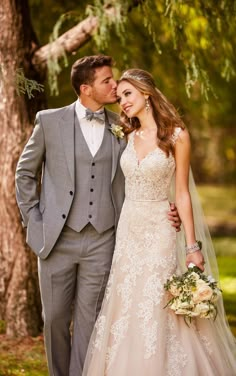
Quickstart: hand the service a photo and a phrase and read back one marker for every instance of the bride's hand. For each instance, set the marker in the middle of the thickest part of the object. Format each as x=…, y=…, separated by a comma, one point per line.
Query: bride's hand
x=197, y=259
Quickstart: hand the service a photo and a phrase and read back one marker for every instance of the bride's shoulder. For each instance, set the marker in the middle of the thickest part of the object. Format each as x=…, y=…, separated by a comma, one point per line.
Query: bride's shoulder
x=180, y=134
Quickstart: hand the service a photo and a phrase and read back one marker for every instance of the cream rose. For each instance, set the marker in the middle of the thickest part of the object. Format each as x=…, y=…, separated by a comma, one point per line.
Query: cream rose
x=202, y=292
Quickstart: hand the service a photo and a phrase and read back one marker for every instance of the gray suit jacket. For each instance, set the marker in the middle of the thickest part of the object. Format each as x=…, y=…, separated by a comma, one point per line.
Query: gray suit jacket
x=50, y=150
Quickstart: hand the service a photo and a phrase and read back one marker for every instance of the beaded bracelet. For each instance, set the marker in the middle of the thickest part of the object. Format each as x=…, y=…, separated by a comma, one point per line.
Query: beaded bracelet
x=197, y=246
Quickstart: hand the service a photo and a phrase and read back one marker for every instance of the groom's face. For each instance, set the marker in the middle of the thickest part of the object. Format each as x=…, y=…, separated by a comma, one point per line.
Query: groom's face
x=103, y=88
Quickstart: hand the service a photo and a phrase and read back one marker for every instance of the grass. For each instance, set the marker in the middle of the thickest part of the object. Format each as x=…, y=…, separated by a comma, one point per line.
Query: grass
x=219, y=205
x=225, y=247
x=22, y=357
x=26, y=357
x=227, y=268
x=219, y=202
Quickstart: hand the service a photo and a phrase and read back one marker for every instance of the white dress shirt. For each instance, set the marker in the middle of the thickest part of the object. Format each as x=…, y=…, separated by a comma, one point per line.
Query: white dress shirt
x=92, y=130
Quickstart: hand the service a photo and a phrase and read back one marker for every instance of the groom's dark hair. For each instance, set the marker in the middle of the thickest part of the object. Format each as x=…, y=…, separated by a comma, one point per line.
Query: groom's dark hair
x=83, y=70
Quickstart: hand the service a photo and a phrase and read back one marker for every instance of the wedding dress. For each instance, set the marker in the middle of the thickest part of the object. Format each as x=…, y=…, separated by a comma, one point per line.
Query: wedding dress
x=134, y=334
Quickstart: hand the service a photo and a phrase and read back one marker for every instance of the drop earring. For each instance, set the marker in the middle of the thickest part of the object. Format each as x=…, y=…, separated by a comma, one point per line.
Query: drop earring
x=147, y=105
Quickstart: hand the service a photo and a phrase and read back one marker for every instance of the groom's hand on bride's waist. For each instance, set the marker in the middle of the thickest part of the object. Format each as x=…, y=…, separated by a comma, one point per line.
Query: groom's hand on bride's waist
x=173, y=216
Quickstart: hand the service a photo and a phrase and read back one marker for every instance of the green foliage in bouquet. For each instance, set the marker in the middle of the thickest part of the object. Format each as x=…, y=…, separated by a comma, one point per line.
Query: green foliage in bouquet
x=193, y=294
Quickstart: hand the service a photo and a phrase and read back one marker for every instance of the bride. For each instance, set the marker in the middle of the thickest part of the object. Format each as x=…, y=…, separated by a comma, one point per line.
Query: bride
x=133, y=334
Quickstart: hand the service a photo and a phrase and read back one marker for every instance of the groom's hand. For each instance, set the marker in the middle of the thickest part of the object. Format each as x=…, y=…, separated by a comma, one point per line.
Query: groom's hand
x=173, y=216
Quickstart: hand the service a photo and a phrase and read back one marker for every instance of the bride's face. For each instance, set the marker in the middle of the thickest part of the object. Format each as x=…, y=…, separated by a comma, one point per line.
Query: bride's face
x=131, y=100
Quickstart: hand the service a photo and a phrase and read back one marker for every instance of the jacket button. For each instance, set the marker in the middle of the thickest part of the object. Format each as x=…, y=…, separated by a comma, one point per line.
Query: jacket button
x=90, y=216
x=91, y=190
x=93, y=164
x=92, y=176
x=63, y=216
x=90, y=203
x=71, y=193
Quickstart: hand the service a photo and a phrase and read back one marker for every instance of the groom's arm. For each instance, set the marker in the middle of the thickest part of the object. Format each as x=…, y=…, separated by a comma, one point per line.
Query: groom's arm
x=173, y=216
x=27, y=170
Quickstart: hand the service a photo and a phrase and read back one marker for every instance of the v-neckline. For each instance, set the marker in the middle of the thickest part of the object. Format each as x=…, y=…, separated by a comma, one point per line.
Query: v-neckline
x=139, y=161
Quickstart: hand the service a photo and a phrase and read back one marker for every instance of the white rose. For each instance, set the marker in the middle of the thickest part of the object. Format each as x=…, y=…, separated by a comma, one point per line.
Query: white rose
x=197, y=310
x=193, y=314
x=203, y=308
x=211, y=279
x=174, y=305
x=195, y=275
x=182, y=311
x=185, y=305
x=174, y=290
x=210, y=314
x=215, y=296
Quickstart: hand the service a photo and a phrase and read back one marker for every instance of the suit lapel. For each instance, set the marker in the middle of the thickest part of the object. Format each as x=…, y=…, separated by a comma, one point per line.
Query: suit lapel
x=67, y=126
x=115, y=145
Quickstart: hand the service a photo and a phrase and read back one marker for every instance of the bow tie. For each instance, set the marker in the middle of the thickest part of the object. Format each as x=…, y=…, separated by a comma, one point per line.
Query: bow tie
x=99, y=116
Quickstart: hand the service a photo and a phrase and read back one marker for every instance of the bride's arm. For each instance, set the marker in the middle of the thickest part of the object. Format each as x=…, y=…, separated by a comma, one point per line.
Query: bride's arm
x=183, y=199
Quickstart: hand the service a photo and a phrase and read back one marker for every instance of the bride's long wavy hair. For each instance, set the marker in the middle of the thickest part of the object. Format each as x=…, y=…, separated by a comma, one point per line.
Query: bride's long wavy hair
x=164, y=113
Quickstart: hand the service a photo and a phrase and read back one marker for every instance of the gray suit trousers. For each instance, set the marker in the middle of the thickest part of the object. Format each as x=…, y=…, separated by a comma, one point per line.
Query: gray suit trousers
x=72, y=284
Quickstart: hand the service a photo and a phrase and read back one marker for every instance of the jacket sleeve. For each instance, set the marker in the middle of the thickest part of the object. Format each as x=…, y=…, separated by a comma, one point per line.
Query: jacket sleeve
x=27, y=170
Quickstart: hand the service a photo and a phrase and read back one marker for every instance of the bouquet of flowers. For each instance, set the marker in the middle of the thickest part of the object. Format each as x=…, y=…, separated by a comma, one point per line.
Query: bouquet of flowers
x=194, y=294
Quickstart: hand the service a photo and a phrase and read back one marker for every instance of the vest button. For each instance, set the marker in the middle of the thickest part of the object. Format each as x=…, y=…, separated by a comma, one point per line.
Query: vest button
x=93, y=164
x=92, y=176
x=71, y=193
x=91, y=190
x=63, y=216
x=90, y=216
x=90, y=203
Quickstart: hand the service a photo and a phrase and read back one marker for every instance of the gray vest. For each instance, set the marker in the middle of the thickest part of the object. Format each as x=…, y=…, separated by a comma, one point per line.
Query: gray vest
x=92, y=201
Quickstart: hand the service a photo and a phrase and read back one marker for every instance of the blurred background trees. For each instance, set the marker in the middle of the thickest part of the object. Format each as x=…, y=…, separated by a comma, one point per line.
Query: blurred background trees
x=188, y=46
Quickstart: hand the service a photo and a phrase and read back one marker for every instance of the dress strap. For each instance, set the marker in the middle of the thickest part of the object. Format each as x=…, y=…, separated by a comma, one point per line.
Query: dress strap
x=176, y=134
x=131, y=137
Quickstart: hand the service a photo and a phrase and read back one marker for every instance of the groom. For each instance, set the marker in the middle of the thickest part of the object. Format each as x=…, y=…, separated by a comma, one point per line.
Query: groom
x=71, y=219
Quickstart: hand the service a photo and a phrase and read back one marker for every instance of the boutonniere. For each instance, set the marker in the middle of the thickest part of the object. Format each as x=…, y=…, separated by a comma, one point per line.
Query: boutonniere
x=117, y=130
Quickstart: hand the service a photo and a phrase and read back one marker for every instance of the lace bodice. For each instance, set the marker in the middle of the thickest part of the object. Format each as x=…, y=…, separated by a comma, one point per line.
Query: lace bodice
x=148, y=179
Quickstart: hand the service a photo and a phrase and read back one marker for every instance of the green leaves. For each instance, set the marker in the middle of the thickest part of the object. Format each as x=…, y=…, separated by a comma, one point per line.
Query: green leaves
x=198, y=35
x=25, y=85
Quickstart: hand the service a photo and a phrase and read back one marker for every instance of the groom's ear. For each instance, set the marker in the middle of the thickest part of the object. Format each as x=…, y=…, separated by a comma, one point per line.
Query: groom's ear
x=85, y=89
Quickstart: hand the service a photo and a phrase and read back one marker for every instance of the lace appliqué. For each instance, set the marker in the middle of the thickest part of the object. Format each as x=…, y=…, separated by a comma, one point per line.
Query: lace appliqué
x=118, y=332
x=206, y=343
x=177, y=358
x=99, y=327
x=109, y=286
x=153, y=292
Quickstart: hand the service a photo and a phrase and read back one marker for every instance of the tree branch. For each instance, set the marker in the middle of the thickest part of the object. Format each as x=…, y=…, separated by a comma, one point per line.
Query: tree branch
x=73, y=39
x=68, y=42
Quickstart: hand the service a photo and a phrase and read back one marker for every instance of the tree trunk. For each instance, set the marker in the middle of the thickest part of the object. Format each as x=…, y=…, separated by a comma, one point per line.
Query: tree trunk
x=20, y=306
x=19, y=297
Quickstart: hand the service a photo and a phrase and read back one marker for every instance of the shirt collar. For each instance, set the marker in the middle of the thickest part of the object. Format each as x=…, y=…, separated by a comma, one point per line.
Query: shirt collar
x=81, y=109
